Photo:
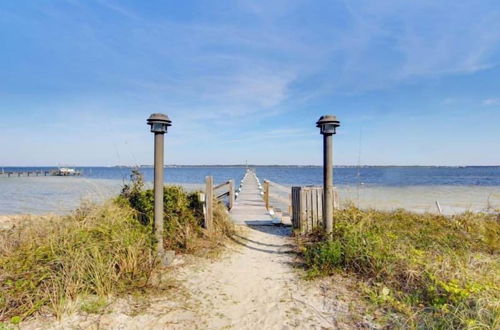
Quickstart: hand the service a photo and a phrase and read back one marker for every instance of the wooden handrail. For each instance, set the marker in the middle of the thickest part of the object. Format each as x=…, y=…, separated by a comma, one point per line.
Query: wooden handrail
x=222, y=184
x=223, y=194
x=210, y=195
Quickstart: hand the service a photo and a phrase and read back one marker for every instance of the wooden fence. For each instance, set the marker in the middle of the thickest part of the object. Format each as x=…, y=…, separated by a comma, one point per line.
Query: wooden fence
x=307, y=207
x=221, y=191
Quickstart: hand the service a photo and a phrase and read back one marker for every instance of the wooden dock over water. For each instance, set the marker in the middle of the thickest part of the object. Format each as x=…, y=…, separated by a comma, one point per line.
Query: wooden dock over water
x=25, y=173
x=51, y=172
x=249, y=208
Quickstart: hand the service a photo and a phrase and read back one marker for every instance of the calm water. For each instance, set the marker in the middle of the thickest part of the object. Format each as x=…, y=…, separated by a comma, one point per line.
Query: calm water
x=416, y=188
x=379, y=176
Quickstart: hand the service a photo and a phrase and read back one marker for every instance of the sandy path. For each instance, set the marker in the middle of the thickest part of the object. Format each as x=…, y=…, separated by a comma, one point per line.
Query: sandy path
x=253, y=285
x=256, y=286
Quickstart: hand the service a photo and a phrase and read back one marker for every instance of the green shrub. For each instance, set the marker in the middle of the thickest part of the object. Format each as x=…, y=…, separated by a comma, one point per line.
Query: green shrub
x=439, y=271
x=183, y=214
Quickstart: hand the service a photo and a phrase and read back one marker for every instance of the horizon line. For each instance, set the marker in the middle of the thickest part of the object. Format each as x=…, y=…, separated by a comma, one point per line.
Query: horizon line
x=250, y=165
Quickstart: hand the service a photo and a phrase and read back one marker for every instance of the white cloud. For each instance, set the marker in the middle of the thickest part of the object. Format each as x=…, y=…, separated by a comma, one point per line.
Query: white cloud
x=488, y=102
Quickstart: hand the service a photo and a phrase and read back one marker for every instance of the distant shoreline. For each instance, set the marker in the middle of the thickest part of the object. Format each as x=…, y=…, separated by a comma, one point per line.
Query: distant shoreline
x=253, y=165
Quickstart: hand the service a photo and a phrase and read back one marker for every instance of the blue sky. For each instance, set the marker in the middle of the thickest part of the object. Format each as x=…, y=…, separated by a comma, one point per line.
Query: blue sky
x=412, y=82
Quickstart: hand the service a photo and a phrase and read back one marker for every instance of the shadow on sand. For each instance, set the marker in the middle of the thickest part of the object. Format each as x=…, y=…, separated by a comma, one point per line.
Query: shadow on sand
x=278, y=230
x=273, y=248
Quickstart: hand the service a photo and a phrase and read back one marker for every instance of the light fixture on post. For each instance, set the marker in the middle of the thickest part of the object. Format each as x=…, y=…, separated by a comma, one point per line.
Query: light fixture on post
x=328, y=126
x=159, y=125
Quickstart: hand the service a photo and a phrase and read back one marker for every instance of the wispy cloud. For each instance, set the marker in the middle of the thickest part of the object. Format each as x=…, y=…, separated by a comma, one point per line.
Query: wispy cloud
x=355, y=46
x=493, y=101
x=394, y=42
x=226, y=70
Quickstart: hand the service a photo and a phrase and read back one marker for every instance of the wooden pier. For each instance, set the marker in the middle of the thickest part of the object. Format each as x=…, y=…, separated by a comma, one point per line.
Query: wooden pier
x=249, y=207
x=52, y=172
x=24, y=173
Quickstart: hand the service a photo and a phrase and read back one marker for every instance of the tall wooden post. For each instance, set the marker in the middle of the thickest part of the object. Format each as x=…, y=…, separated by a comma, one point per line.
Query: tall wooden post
x=266, y=194
x=231, y=194
x=209, y=201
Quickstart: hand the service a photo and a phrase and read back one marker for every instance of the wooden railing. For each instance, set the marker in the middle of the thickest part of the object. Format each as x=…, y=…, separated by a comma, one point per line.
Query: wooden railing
x=223, y=191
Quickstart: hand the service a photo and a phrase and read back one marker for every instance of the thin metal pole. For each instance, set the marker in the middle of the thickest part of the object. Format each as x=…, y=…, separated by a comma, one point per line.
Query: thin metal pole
x=158, y=192
x=328, y=182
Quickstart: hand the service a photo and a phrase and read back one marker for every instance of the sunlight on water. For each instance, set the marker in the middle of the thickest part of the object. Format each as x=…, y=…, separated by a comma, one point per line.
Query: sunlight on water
x=52, y=194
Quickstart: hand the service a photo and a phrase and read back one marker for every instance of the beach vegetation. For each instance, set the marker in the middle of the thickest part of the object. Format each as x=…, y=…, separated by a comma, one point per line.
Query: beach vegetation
x=183, y=215
x=422, y=270
x=97, y=251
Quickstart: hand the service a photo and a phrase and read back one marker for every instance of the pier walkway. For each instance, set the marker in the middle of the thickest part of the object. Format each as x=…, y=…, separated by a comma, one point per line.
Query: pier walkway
x=249, y=207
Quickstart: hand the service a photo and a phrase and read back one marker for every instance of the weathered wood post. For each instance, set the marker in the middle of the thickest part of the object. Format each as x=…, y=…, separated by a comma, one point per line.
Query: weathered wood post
x=159, y=124
x=266, y=193
x=231, y=194
x=439, y=207
x=209, y=202
x=328, y=125
x=303, y=211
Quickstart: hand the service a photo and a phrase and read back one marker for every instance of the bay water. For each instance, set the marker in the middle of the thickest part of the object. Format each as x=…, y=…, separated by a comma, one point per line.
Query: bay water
x=417, y=188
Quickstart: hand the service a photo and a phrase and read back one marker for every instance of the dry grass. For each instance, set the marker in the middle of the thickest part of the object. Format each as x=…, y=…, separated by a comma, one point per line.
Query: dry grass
x=48, y=263
x=94, y=251
x=435, y=271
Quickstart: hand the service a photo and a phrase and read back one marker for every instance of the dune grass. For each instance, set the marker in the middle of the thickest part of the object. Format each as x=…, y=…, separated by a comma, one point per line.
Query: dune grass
x=423, y=270
x=97, y=251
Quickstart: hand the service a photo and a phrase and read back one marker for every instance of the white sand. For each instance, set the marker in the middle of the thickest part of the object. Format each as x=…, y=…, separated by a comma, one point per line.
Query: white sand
x=253, y=286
